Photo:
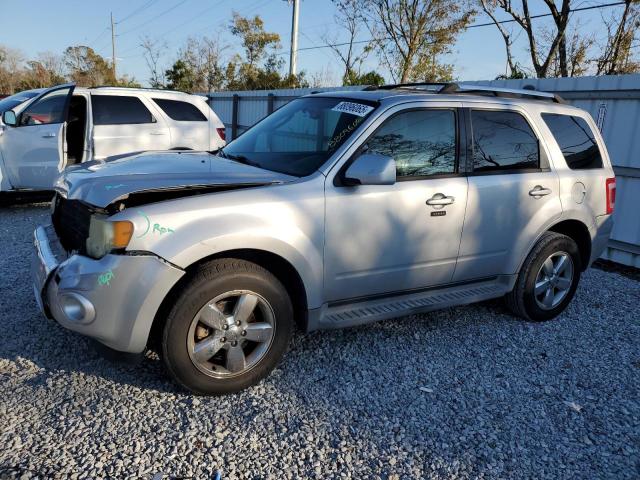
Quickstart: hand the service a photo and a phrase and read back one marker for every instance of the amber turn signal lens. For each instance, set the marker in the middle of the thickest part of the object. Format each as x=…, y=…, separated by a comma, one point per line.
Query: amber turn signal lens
x=122, y=232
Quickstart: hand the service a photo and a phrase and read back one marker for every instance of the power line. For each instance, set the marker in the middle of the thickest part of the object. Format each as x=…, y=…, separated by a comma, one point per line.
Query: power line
x=488, y=24
x=154, y=18
x=136, y=11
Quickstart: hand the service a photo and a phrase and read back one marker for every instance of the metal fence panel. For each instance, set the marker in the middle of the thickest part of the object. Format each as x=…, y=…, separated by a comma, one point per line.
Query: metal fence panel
x=613, y=101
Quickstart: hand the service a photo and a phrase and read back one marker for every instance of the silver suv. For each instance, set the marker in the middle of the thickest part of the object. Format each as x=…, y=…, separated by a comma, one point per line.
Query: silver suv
x=337, y=210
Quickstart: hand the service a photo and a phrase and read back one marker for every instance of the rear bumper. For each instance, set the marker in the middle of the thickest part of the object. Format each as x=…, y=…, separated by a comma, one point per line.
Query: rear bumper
x=113, y=299
x=600, y=236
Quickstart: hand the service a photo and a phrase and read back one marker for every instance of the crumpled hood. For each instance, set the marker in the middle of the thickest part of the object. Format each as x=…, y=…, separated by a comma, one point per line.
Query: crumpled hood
x=101, y=183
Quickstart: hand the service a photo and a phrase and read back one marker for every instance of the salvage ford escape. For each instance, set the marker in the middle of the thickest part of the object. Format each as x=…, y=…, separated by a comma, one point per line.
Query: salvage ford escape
x=336, y=210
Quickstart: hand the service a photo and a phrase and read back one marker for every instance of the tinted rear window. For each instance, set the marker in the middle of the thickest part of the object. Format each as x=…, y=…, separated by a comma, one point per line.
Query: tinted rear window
x=118, y=110
x=576, y=140
x=180, y=111
x=502, y=141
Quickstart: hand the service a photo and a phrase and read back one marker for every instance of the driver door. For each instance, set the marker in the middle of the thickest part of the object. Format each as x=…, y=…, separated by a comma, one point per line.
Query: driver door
x=382, y=239
x=34, y=149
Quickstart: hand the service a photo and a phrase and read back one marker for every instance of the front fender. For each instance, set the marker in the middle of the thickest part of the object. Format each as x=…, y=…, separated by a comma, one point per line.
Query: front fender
x=186, y=230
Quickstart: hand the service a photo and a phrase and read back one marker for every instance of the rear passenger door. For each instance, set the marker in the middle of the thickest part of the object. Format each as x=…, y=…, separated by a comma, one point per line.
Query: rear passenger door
x=126, y=124
x=189, y=126
x=513, y=193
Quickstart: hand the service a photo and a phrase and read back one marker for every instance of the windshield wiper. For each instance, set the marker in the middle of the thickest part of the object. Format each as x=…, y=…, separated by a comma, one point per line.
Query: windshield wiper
x=236, y=158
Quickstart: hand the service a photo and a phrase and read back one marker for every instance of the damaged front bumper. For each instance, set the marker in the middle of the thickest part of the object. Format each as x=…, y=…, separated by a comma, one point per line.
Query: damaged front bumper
x=113, y=299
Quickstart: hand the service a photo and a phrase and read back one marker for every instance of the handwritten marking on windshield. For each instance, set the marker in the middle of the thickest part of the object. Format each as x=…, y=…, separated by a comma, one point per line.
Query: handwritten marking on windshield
x=105, y=278
x=335, y=141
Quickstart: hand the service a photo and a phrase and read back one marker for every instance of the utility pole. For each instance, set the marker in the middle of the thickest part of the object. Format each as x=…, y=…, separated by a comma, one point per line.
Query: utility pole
x=293, y=56
x=113, y=48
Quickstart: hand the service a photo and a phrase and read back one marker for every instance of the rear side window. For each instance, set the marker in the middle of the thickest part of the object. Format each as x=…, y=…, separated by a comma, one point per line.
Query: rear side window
x=180, y=111
x=576, y=140
x=119, y=110
x=503, y=141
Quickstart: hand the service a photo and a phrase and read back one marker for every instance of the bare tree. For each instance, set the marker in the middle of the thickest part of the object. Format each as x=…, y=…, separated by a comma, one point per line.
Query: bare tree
x=11, y=61
x=203, y=56
x=544, y=48
x=410, y=36
x=622, y=38
x=349, y=17
x=152, y=52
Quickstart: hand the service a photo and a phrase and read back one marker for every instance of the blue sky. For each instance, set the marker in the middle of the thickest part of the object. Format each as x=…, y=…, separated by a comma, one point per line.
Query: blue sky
x=36, y=25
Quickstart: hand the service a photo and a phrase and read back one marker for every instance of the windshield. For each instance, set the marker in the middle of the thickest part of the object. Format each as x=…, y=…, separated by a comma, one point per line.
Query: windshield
x=15, y=100
x=299, y=137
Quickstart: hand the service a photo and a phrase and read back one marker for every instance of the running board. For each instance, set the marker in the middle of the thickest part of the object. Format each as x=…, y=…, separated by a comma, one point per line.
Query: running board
x=367, y=311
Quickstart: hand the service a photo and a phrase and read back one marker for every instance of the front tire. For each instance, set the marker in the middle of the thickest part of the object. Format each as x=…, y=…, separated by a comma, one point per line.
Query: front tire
x=547, y=280
x=228, y=329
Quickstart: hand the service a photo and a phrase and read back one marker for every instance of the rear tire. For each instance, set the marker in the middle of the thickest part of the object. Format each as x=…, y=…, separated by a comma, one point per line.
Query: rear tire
x=547, y=280
x=229, y=327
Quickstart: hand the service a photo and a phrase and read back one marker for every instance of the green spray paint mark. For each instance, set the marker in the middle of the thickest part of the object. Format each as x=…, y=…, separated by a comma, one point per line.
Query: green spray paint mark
x=161, y=230
x=111, y=187
x=157, y=228
x=105, y=278
x=140, y=212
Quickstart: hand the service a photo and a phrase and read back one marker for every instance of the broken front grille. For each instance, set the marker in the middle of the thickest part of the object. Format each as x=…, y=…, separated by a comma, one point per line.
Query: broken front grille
x=71, y=220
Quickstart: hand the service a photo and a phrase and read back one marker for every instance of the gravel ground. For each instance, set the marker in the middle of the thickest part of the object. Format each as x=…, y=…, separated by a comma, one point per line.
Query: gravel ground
x=469, y=392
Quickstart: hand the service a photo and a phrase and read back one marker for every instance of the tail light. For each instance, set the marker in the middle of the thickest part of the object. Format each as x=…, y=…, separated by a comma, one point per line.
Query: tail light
x=222, y=133
x=611, y=195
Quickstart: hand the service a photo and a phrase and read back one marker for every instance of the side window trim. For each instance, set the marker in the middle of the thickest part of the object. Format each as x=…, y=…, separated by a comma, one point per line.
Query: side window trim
x=460, y=132
x=543, y=163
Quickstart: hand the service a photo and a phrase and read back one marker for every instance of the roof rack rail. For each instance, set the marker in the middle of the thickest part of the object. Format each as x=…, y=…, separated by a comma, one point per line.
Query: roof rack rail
x=140, y=88
x=502, y=92
x=457, y=88
x=410, y=86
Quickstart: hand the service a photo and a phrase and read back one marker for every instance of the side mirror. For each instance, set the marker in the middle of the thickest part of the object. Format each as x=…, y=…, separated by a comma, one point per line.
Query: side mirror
x=9, y=118
x=371, y=169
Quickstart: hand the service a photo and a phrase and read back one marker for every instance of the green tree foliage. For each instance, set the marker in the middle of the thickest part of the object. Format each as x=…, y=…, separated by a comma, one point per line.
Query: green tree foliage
x=258, y=68
x=87, y=68
x=180, y=77
x=411, y=36
x=369, y=78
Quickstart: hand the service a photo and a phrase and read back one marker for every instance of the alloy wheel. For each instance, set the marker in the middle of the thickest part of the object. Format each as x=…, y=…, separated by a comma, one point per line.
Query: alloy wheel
x=554, y=280
x=231, y=334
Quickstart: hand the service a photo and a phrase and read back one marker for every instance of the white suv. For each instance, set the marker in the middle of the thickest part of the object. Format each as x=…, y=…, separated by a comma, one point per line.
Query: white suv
x=66, y=125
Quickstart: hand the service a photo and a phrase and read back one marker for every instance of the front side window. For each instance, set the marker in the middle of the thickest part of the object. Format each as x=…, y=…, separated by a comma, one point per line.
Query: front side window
x=301, y=136
x=48, y=110
x=119, y=110
x=422, y=142
x=503, y=141
x=575, y=139
x=13, y=101
x=180, y=111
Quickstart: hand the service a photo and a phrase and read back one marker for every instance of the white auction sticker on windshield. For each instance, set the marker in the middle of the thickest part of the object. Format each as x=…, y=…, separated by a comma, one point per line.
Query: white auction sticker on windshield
x=353, y=108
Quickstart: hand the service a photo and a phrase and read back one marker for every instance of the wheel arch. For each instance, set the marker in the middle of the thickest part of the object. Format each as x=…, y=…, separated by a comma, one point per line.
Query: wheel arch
x=280, y=267
x=579, y=233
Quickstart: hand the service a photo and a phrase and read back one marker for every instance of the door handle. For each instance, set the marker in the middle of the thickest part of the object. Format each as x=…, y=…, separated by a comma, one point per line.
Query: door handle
x=539, y=191
x=49, y=135
x=440, y=200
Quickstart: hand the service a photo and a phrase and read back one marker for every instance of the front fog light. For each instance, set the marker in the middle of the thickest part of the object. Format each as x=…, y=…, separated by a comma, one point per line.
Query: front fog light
x=77, y=308
x=105, y=235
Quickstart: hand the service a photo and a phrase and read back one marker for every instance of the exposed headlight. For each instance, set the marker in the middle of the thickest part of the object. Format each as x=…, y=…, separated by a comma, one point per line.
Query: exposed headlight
x=106, y=235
